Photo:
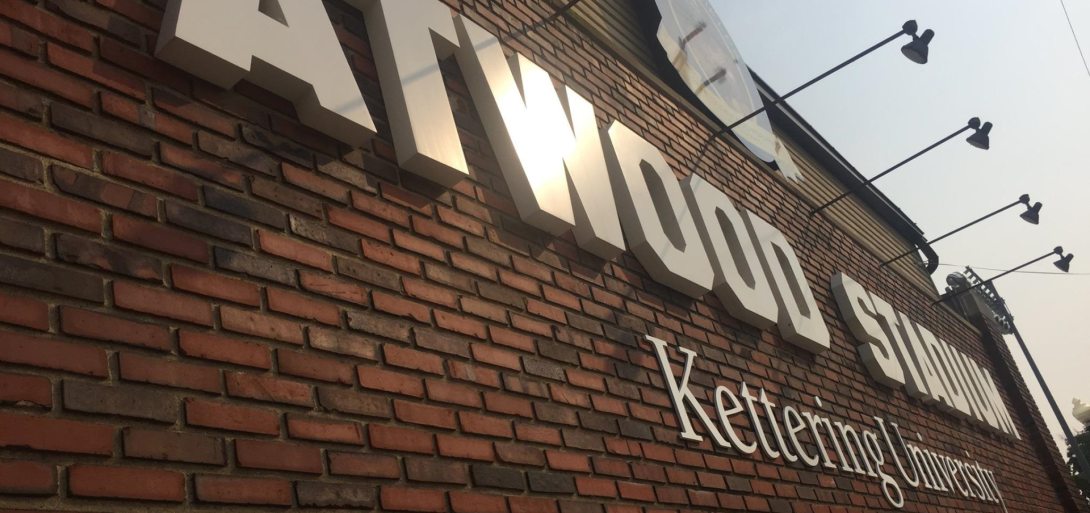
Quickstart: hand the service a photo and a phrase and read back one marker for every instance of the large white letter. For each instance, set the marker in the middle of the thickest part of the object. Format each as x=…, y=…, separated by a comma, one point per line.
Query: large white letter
x=287, y=47
x=535, y=142
x=654, y=215
x=740, y=282
x=800, y=320
x=857, y=306
x=408, y=37
x=683, y=398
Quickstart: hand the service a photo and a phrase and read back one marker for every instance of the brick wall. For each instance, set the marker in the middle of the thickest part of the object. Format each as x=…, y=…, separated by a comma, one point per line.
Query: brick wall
x=204, y=305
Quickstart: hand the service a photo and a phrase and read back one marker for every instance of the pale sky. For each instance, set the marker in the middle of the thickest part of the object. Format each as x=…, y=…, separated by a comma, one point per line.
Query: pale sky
x=1011, y=62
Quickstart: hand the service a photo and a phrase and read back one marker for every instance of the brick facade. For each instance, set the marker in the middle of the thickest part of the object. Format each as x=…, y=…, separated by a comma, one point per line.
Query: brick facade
x=204, y=304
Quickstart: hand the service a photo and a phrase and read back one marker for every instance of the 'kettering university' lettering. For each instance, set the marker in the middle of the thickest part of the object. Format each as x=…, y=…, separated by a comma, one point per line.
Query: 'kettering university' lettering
x=564, y=174
x=859, y=451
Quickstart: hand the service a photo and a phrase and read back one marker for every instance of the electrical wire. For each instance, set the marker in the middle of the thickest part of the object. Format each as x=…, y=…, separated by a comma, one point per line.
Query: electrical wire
x=1017, y=272
x=1077, y=45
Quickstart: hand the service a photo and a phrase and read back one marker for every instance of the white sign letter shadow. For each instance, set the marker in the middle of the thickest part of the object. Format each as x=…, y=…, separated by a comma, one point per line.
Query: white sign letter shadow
x=740, y=282
x=655, y=217
x=287, y=47
x=408, y=38
x=800, y=320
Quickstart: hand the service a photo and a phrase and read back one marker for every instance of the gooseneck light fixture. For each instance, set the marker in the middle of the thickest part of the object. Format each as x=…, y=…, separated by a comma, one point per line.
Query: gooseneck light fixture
x=1031, y=216
x=979, y=140
x=916, y=51
x=1063, y=264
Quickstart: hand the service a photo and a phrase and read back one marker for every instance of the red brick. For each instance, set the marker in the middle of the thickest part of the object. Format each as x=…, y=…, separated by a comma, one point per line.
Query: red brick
x=100, y=72
x=25, y=312
x=313, y=183
x=460, y=324
x=395, y=305
x=303, y=307
x=141, y=115
x=193, y=112
x=410, y=499
x=214, y=285
x=476, y=423
x=172, y=374
x=567, y=461
x=295, y=251
x=266, y=388
x=55, y=435
x=332, y=288
x=126, y=483
x=186, y=161
x=534, y=505
x=636, y=491
x=452, y=393
x=473, y=374
x=230, y=417
x=497, y=403
x=30, y=72
x=27, y=478
x=595, y=487
x=242, y=490
x=423, y=414
x=173, y=446
x=490, y=311
x=386, y=256
x=115, y=164
x=82, y=323
x=388, y=381
x=473, y=265
x=326, y=430
x=413, y=360
x=25, y=389
x=363, y=465
x=400, y=439
x=162, y=303
x=359, y=224
x=380, y=209
x=42, y=21
x=159, y=239
x=497, y=357
x=454, y=446
x=258, y=325
x=49, y=354
x=418, y=246
x=511, y=339
x=49, y=207
x=306, y=365
x=464, y=502
x=212, y=347
x=278, y=456
x=537, y=434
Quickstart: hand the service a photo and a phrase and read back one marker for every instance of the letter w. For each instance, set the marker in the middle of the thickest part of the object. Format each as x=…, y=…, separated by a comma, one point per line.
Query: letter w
x=535, y=142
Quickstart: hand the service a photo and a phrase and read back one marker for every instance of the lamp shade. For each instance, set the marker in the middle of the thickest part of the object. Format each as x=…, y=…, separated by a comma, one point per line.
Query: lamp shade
x=1064, y=264
x=1032, y=215
x=980, y=139
x=916, y=50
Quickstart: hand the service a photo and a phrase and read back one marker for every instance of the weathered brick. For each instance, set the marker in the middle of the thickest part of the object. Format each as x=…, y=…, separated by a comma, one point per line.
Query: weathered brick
x=208, y=170
x=30, y=72
x=23, y=167
x=267, y=388
x=143, y=369
x=231, y=417
x=22, y=236
x=24, y=312
x=316, y=428
x=368, y=273
x=297, y=305
x=278, y=456
x=80, y=251
x=159, y=239
x=208, y=224
x=464, y=502
x=126, y=483
x=109, y=132
x=101, y=72
x=400, y=439
x=193, y=112
x=307, y=365
x=242, y=207
x=497, y=477
x=415, y=500
x=423, y=414
x=322, y=234
x=121, y=166
x=343, y=291
x=27, y=478
x=465, y=448
x=143, y=116
x=287, y=197
x=237, y=153
x=83, y=323
x=343, y=343
x=50, y=354
x=50, y=207
x=212, y=285
x=124, y=401
x=55, y=435
x=242, y=490
x=254, y=266
x=359, y=224
x=295, y=251
x=173, y=446
x=436, y=471
x=212, y=347
x=311, y=182
x=162, y=303
x=25, y=390
x=335, y=495
x=363, y=465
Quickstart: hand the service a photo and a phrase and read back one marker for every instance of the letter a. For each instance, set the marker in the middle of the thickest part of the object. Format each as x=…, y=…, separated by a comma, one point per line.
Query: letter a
x=287, y=47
